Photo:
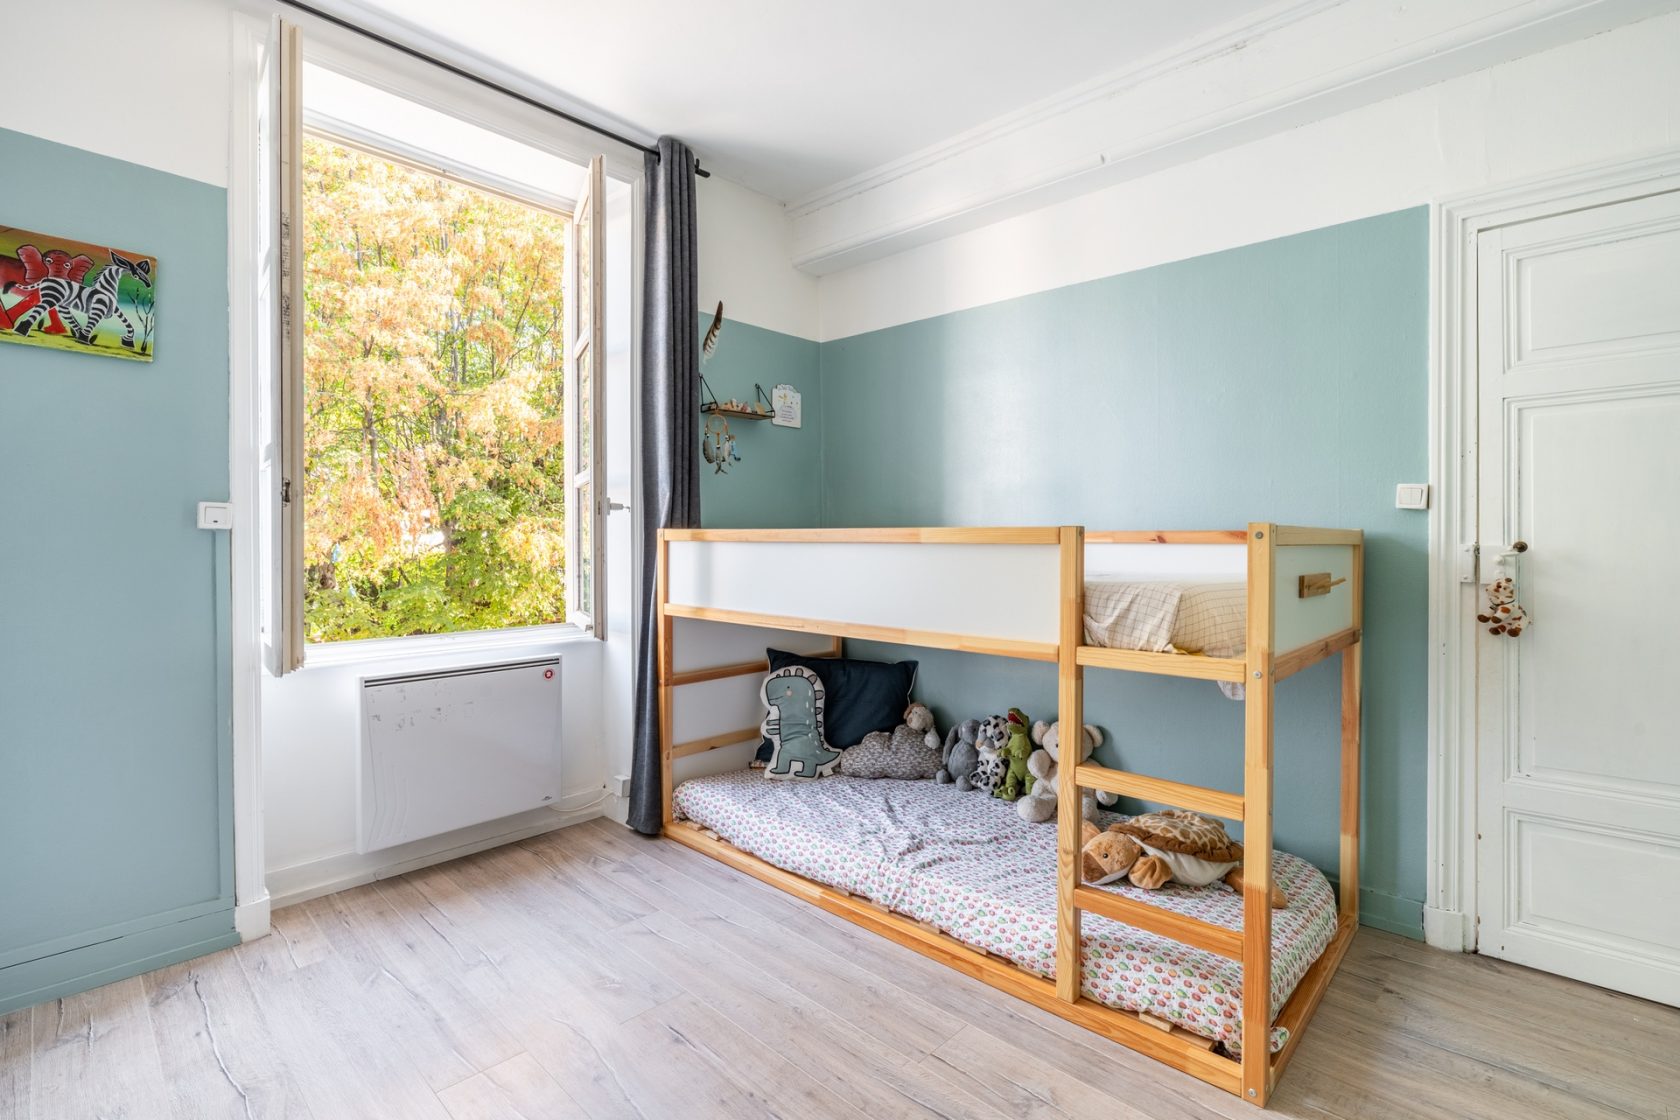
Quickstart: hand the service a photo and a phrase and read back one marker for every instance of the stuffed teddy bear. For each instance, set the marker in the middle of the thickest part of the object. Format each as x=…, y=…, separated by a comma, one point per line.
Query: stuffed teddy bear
x=1017, y=779
x=1170, y=846
x=1040, y=805
x=1504, y=615
x=959, y=756
x=991, y=738
x=908, y=752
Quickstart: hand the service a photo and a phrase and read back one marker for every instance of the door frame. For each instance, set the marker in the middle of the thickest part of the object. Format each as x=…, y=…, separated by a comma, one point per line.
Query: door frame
x=1450, y=902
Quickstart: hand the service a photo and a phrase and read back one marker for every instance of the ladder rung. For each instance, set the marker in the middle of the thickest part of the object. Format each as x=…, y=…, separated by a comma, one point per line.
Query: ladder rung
x=1198, y=799
x=1167, y=923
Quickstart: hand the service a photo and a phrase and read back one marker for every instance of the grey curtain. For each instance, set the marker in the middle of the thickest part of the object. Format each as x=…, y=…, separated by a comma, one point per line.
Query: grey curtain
x=670, y=435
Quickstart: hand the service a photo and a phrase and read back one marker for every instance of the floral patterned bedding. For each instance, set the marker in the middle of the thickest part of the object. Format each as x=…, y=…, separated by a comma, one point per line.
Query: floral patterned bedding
x=968, y=864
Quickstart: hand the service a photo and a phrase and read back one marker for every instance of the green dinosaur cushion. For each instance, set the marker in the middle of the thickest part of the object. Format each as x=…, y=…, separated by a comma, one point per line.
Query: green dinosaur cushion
x=793, y=722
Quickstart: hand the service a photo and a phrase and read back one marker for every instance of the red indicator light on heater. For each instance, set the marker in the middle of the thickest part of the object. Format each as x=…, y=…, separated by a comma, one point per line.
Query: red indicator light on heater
x=548, y=674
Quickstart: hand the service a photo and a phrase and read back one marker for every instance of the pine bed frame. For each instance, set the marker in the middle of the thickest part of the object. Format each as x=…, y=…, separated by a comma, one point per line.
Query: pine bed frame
x=1277, y=586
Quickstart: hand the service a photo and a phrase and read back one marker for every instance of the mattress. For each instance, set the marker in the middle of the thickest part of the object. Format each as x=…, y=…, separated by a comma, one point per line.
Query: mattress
x=1166, y=616
x=970, y=865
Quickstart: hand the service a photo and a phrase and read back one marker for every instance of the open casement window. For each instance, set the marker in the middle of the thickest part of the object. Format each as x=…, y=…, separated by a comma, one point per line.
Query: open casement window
x=494, y=383
x=283, y=464
x=585, y=541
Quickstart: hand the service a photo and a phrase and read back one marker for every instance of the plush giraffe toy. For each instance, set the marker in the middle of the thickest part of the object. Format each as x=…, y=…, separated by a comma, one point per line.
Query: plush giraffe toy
x=1504, y=615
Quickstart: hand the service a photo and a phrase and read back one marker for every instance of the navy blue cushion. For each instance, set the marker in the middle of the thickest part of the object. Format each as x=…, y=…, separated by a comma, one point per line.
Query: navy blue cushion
x=862, y=696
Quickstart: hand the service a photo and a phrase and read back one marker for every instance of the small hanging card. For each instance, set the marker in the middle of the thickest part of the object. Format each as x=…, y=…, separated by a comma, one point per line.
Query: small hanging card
x=784, y=399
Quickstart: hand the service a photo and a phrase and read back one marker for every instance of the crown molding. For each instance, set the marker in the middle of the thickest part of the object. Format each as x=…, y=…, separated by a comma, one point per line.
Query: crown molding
x=1298, y=61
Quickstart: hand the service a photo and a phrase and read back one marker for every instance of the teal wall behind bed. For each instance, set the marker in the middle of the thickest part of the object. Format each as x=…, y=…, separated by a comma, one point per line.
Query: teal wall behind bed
x=1284, y=381
x=778, y=481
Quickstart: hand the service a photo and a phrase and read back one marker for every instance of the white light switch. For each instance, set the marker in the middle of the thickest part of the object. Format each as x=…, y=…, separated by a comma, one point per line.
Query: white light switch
x=215, y=515
x=1411, y=495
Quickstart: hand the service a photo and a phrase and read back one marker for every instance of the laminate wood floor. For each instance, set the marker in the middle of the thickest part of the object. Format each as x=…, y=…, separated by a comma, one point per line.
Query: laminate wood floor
x=594, y=973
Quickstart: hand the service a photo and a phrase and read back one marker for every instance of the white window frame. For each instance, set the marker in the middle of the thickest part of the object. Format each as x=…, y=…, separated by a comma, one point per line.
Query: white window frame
x=585, y=504
x=286, y=647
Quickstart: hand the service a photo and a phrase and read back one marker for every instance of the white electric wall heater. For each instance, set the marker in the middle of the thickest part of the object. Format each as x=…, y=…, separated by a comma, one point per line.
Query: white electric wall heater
x=445, y=750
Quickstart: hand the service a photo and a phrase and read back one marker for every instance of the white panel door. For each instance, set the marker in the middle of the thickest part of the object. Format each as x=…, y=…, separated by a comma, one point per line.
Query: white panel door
x=1579, y=718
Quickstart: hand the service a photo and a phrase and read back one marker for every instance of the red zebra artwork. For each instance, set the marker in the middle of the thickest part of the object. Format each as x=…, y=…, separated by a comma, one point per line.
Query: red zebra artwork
x=76, y=296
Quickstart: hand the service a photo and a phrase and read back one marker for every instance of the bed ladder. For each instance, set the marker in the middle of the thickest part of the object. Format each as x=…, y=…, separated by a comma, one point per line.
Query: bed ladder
x=1252, y=945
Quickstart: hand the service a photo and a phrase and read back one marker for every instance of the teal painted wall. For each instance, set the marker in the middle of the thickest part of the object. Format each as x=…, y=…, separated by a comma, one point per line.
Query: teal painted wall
x=115, y=795
x=778, y=481
x=1283, y=381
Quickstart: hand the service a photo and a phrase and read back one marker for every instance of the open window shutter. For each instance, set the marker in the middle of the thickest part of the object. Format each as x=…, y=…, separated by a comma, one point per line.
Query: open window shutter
x=287, y=476
x=585, y=540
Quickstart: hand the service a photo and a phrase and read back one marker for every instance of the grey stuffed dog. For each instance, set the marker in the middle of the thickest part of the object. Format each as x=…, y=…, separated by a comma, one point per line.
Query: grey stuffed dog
x=959, y=756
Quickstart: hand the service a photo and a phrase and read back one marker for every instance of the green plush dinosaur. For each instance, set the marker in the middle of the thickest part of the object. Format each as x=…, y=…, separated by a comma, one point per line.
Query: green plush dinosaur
x=1017, y=779
x=795, y=697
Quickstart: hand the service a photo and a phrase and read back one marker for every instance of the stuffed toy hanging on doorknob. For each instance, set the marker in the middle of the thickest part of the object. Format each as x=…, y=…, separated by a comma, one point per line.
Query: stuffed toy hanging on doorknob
x=1504, y=615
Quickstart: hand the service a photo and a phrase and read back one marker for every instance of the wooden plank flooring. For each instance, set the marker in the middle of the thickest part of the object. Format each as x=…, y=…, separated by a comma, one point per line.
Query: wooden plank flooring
x=592, y=973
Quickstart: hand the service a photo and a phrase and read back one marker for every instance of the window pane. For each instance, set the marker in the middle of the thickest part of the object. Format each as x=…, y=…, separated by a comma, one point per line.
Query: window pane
x=585, y=265
x=584, y=563
x=585, y=406
x=435, y=477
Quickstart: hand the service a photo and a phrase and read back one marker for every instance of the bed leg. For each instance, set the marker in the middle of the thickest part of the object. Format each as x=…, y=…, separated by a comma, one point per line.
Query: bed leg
x=1352, y=665
x=1257, y=820
x=1070, y=695
x=666, y=660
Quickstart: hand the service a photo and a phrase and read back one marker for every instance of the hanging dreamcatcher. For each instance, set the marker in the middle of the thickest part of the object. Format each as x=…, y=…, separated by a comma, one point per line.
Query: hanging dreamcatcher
x=717, y=445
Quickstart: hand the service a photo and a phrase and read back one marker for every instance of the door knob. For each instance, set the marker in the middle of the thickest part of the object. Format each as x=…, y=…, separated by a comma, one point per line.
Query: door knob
x=1519, y=546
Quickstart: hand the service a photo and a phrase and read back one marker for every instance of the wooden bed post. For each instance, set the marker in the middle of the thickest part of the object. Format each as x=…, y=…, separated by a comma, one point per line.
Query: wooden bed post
x=1257, y=819
x=1348, y=902
x=662, y=637
x=1070, y=710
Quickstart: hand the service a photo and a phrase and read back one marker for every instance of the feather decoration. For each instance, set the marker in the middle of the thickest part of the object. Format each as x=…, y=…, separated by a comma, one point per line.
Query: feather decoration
x=710, y=343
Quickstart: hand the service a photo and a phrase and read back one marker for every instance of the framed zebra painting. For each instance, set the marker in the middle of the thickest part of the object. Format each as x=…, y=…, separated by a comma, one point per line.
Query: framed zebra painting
x=69, y=295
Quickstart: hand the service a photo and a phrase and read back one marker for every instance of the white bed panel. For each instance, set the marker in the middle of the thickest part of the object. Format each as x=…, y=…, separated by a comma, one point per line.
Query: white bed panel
x=699, y=711
x=705, y=645
x=724, y=760
x=1297, y=621
x=1003, y=591
x=1190, y=563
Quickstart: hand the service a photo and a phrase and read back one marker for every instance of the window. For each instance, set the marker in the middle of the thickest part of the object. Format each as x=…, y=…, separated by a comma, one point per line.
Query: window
x=441, y=425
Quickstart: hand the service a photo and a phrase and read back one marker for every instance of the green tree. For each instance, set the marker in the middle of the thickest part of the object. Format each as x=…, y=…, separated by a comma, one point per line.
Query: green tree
x=434, y=495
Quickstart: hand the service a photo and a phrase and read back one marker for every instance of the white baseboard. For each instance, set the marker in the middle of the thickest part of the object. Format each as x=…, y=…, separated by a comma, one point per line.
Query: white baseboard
x=1446, y=929
x=288, y=886
x=250, y=919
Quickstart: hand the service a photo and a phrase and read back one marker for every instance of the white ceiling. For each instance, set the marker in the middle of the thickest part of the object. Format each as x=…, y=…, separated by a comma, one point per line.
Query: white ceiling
x=789, y=96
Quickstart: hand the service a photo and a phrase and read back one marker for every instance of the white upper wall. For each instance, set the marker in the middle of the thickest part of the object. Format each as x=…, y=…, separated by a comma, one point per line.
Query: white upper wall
x=746, y=260
x=149, y=83
x=1608, y=97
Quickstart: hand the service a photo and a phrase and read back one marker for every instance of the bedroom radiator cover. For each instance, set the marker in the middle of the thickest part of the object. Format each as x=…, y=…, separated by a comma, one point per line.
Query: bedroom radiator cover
x=444, y=750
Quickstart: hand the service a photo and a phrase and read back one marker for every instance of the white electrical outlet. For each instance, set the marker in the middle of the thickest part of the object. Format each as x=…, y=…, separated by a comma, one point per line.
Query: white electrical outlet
x=1411, y=495
x=620, y=785
x=215, y=515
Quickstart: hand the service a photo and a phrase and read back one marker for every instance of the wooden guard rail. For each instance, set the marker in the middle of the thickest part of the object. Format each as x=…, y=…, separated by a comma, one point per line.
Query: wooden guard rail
x=1200, y=799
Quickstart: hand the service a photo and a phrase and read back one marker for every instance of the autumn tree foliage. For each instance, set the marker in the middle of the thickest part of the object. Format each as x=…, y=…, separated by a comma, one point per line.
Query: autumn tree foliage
x=434, y=495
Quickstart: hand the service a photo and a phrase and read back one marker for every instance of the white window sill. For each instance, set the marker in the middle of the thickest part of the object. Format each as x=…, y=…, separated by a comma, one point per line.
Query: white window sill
x=368, y=650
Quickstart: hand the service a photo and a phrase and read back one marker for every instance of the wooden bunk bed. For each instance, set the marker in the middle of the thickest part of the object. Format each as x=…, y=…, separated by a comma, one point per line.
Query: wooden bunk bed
x=1304, y=604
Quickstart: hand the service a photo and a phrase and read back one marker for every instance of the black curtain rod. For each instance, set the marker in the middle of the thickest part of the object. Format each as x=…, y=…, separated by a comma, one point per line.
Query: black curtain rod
x=421, y=56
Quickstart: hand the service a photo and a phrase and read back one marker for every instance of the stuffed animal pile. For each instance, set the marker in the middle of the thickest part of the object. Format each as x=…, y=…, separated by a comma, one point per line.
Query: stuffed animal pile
x=908, y=752
x=1045, y=766
x=1172, y=846
x=1504, y=615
